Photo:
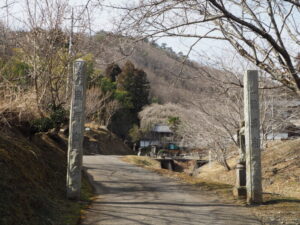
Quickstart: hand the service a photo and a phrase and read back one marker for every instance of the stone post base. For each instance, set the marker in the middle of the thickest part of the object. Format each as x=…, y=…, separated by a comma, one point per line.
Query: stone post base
x=240, y=192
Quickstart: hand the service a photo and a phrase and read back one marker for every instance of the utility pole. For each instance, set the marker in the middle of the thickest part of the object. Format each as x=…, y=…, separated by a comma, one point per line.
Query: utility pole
x=70, y=53
x=35, y=79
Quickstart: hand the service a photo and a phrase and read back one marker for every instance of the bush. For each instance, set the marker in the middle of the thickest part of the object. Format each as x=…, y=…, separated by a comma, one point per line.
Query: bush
x=42, y=125
x=57, y=117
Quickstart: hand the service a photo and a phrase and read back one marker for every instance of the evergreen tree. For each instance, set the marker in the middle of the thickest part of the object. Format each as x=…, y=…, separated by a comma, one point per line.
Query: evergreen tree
x=134, y=82
x=112, y=71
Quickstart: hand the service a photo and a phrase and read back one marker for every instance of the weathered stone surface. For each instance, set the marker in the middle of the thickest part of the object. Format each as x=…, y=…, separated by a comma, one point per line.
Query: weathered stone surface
x=76, y=131
x=240, y=187
x=241, y=142
x=252, y=137
x=240, y=192
x=241, y=175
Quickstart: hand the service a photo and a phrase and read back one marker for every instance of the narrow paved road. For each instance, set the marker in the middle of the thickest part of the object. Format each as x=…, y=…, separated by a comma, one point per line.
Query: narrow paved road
x=127, y=195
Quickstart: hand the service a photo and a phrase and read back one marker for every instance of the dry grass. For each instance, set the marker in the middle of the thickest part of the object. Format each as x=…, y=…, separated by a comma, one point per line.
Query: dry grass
x=280, y=169
x=20, y=107
x=281, y=182
x=142, y=161
x=277, y=209
x=217, y=173
x=32, y=181
x=99, y=140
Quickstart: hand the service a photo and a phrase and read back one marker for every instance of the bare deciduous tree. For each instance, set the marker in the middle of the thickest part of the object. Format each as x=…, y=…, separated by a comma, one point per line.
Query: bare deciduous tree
x=264, y=32
x=210, y=119
x=35, y=51
x=45, y=47
x=100, y=107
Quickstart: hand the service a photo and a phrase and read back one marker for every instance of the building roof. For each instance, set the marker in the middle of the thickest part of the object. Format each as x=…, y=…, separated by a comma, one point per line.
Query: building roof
x=162, y=129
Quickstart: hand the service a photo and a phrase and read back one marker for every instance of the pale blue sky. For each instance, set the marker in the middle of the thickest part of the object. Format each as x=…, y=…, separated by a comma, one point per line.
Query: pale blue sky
x=103, y=19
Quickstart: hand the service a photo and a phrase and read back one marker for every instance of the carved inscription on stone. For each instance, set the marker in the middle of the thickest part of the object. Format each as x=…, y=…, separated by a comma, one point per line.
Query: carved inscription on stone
x=75, y=145
x=256, y=143
x=78, y=94
x=252, y=137
x=77, y=117
x=255, y=122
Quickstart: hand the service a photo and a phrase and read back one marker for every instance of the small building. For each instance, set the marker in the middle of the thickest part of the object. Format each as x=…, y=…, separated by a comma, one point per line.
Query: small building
x=159, y=135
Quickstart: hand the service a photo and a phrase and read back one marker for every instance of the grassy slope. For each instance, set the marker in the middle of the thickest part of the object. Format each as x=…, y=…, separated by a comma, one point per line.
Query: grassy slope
x=100, y=141
x=280, y=169
x=32, y=181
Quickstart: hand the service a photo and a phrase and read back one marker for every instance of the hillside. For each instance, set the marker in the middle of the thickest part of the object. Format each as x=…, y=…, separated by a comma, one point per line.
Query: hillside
x=32, y=175
x=171, y=80
x=33, y=172
x=99, y=140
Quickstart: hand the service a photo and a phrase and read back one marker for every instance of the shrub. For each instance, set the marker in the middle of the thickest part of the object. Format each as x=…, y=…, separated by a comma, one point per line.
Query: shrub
x=42, y=125
x=58, y=115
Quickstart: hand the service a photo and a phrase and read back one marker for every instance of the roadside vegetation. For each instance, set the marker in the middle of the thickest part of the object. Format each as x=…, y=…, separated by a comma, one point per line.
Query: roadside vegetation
x=74, y=211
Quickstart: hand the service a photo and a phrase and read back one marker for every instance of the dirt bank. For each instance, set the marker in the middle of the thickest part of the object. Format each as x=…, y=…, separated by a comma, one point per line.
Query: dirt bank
x=33, y=175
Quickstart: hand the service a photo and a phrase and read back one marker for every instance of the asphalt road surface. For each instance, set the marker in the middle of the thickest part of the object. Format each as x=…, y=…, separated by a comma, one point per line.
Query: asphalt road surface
x=127, y=194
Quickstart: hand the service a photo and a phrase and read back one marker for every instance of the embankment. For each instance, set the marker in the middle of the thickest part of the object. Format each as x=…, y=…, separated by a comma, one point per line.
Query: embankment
x=33, y=176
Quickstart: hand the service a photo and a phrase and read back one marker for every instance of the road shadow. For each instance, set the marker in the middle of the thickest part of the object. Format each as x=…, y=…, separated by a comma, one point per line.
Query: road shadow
x=132, y=195
x=277, y=201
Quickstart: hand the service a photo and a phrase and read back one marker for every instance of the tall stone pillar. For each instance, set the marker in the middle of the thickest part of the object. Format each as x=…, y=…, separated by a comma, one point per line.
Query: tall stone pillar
x=76, y=130
x=252, y=137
